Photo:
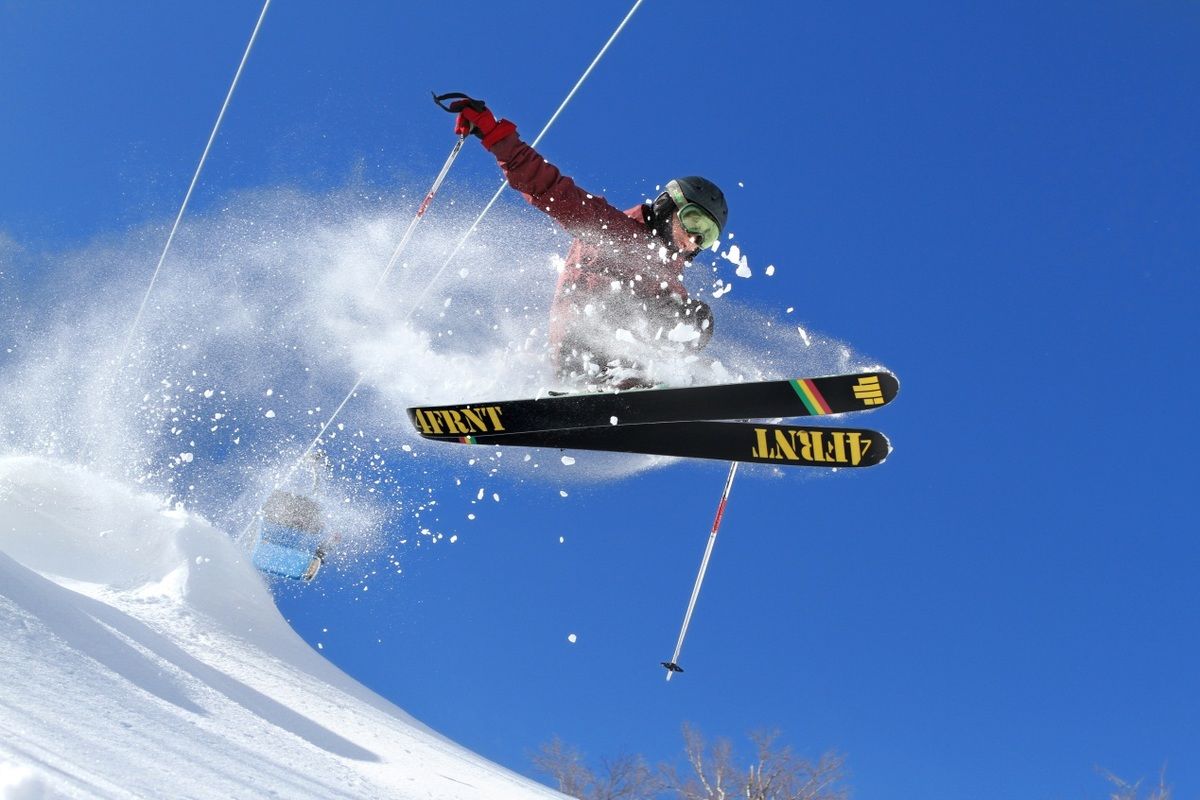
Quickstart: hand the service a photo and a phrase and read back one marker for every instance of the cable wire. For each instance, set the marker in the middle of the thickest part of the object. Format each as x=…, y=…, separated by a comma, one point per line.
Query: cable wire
x=191, y=187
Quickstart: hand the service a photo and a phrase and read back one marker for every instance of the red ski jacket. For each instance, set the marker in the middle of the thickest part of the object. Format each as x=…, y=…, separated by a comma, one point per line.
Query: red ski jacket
x=616, y=269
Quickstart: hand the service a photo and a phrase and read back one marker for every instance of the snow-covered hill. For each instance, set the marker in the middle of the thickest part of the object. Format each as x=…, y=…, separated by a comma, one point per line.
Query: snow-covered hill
x=142, y=656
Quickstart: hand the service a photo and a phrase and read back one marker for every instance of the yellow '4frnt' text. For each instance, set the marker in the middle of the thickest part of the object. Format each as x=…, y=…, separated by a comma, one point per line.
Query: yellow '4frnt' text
x=830, y=446
x=465, y=421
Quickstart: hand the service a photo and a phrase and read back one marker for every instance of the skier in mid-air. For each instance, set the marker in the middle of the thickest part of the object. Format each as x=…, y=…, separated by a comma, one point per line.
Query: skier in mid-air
x=620, y=302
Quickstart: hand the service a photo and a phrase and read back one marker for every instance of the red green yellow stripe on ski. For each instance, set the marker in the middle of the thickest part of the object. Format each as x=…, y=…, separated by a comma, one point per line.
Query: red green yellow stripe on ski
x=811, y=396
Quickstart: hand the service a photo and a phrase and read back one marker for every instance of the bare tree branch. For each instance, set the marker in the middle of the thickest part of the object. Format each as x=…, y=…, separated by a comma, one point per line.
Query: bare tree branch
x=621, y=778
x=712, y=773
x=776, y=774
x=565, y=765
x=1123, y=790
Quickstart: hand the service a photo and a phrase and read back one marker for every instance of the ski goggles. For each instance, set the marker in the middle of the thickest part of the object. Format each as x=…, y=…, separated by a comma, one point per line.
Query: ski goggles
x=694, y=219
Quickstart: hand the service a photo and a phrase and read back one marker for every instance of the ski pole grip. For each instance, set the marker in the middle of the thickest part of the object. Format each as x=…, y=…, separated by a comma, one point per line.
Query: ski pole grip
x=467, y=101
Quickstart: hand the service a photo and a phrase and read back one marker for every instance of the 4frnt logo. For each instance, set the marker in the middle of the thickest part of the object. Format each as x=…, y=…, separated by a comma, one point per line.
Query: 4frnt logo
x=464, y=421
x=825, y=446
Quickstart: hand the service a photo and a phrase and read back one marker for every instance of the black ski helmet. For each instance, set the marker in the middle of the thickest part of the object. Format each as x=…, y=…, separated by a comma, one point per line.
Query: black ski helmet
x=707, y=195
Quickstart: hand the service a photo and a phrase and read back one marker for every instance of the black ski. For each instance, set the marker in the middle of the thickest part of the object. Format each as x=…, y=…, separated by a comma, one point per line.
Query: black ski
x=833, y=394
x=783, y=445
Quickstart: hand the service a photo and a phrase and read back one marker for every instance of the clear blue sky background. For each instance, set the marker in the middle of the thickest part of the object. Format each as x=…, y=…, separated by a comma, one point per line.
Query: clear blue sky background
x=999, y=201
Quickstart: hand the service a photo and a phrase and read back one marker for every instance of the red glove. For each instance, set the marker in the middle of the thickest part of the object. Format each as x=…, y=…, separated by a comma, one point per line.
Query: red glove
x=474, y=117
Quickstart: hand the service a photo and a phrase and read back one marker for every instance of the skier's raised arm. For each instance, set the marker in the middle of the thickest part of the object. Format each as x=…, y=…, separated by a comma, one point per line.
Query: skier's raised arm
x=544, y=186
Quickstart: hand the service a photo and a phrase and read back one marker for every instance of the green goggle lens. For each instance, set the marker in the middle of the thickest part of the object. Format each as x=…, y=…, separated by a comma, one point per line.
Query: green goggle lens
x=697, y=222
x=694, y=219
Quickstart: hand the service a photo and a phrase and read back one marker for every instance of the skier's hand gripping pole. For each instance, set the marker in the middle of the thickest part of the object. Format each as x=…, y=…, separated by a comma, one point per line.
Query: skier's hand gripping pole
x=475, y=118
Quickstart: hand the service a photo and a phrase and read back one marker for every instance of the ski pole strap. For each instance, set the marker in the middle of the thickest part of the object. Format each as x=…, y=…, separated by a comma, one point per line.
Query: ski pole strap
x=477, y=105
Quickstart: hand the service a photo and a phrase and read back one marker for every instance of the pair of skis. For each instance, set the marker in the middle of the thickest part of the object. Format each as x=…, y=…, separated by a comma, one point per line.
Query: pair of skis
x=681, y=423
x=684, y=423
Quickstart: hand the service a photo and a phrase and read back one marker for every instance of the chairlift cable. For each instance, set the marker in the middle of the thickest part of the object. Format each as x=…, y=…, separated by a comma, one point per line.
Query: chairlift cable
x=120, y=364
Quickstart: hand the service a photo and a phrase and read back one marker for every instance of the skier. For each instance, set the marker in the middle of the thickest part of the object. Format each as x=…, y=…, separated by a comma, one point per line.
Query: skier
x=620, y=302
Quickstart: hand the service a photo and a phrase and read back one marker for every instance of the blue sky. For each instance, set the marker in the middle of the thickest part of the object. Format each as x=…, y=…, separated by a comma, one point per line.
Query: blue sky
x=998, y=202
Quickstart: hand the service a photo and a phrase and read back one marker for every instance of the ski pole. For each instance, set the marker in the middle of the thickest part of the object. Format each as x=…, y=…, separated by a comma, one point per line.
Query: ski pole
x=672, y=666
x=412, y=226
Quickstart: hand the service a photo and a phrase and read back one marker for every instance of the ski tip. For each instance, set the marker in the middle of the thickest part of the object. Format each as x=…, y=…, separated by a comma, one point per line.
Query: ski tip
x=891, y=385
x=671, y=666
x=876, y=388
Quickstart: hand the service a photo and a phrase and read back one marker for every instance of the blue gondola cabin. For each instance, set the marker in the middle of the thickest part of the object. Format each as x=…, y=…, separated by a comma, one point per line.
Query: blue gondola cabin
x=291, y=539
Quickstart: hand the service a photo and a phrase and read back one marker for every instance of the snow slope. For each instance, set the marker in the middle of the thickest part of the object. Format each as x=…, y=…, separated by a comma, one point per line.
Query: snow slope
x=143, y=656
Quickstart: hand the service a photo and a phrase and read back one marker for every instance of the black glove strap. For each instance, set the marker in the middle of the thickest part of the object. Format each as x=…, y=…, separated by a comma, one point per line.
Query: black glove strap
x=476, y=105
